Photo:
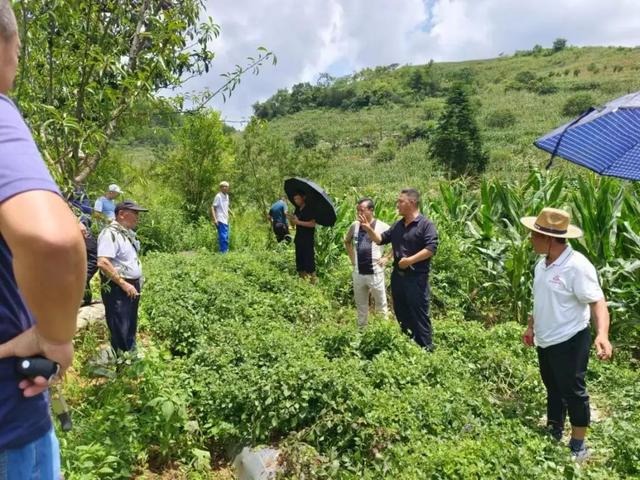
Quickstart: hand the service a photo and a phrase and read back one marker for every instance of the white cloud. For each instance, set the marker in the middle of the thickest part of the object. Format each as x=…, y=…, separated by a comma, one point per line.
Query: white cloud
x=313, y=36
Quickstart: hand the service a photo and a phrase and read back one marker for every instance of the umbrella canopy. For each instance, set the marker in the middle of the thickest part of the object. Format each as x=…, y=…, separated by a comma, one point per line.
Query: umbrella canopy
x=605, y=140
x=316, y=199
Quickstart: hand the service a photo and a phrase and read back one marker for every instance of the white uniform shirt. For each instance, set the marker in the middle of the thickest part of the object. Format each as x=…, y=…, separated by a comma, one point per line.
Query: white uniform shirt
x=377, y=251
x=221, y=207
x=562, y=293
x=119, y=248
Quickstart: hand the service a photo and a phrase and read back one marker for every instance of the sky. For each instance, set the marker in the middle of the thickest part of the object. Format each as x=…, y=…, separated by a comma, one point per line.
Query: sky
x=340, y=37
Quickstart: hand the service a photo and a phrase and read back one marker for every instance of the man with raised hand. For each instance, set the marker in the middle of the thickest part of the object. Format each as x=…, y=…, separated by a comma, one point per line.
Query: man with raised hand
x=566, y=294
x=368, y=262
x=414, y=239
x=42, y=274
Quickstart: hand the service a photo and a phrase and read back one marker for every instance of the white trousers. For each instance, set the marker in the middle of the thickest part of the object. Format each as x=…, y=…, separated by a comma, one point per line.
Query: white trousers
x=362, y=286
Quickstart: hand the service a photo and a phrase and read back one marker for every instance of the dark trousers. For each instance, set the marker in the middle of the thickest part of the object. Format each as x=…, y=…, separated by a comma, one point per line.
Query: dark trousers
x=410, y=293
x=92, y=266
x=563, y=368
x=281, y=230
x=122, y=314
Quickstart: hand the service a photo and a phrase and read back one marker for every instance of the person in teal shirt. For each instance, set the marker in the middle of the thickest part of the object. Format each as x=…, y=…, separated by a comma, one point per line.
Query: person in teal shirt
x=278, y=218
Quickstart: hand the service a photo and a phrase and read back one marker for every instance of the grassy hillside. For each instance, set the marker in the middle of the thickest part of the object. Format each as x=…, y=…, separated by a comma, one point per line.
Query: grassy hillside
x=354, y=135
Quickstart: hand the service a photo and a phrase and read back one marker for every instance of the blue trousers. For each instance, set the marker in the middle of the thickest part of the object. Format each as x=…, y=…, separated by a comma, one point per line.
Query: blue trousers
x=410, y=293
x=39, y=459
x=122, y=314
x=223, y=237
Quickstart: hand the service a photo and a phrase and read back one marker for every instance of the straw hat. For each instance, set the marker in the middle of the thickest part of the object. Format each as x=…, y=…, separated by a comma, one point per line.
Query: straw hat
x=553, y=223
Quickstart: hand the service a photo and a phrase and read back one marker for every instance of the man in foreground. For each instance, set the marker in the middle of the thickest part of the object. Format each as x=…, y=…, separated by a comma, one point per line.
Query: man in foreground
x=121, y=275
x=368, y=262
x=566, y=294
x=414, y=240
x=42, y=274
x=220, y=214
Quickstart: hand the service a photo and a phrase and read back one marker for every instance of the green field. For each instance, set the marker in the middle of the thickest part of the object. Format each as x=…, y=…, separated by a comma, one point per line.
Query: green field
x=239, y=352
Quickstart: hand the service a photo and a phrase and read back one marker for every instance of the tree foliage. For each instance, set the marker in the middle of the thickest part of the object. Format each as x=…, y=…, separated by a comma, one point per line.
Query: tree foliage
x=194, y=167
x=264, y=160
x=456, y=140
x=84, y=63
x=559, y=44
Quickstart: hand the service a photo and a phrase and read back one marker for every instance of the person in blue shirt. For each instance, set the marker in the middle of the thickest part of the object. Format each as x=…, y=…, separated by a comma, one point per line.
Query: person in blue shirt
x=42, y=273
x=278, y=219
x=106, y=205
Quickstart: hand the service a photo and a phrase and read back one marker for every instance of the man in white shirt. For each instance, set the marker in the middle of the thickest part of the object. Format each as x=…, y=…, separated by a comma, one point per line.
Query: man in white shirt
x=566, y=294
x=121, y=275
x=368, y=260
x=220, y=213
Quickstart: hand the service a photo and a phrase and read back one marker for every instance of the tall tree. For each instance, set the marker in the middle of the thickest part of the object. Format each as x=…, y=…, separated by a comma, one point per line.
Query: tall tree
x=456, y=140
x=194, y=166
x=85, y=62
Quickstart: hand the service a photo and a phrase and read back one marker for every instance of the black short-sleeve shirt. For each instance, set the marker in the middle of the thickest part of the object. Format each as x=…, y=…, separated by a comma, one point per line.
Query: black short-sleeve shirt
x=304, y=234
x=408, y=240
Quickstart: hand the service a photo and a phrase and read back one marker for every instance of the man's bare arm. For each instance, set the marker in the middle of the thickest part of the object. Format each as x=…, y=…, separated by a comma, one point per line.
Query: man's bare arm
x=49, y=260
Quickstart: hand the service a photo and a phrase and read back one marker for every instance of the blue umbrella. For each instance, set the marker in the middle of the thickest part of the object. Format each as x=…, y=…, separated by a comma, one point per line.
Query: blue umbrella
x=605, y=140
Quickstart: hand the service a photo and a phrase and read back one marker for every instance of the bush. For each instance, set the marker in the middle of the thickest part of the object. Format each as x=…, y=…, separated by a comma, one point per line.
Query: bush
x=306, y=139
x=577, y=104
x=410, y=133
x=559, y=44
x=543, y=86
x=501, y=119
x=525, y=77
x=386, y=151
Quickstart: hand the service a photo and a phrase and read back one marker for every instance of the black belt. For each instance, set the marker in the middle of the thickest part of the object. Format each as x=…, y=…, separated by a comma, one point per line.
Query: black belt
x=408, y=272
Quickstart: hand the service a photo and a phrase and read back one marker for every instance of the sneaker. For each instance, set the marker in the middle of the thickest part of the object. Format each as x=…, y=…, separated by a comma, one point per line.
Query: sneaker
x=581, y=455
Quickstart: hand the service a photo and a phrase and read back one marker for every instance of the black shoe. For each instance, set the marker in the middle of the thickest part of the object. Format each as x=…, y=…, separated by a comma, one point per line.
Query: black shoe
x=555, y=432
x=429, y=348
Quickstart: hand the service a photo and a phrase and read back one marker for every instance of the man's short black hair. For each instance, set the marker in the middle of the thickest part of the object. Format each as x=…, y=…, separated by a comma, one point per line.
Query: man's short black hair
x=300, y=192
x=368, y=203
x=413, y=194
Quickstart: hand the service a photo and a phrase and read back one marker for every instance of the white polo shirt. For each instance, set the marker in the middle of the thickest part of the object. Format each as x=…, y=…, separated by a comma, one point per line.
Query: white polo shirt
x=120, y=246
x=562, y=293
x=221, y=207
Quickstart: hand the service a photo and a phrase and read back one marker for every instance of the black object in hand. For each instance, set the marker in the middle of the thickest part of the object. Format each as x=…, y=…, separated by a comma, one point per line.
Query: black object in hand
x=37, y=367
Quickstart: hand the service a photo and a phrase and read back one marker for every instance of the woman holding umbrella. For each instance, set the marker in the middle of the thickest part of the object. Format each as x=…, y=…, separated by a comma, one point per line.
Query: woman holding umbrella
x=313, y=207
x=305, y=223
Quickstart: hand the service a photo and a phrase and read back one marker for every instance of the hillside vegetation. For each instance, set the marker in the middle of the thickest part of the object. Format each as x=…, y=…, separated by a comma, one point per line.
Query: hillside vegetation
x=516, y=99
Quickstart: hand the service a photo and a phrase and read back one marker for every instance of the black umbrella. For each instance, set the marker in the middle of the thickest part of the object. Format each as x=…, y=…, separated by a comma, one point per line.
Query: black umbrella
x=315, y=198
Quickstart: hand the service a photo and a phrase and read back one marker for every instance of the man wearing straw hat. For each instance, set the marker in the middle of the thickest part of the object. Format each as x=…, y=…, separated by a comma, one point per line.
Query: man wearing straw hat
x=566, y=294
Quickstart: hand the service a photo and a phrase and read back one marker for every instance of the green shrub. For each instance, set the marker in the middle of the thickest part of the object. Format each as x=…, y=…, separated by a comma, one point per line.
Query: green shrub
x=386, y=151
x=577, y=104
x=501, y=118
x=306, y=139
